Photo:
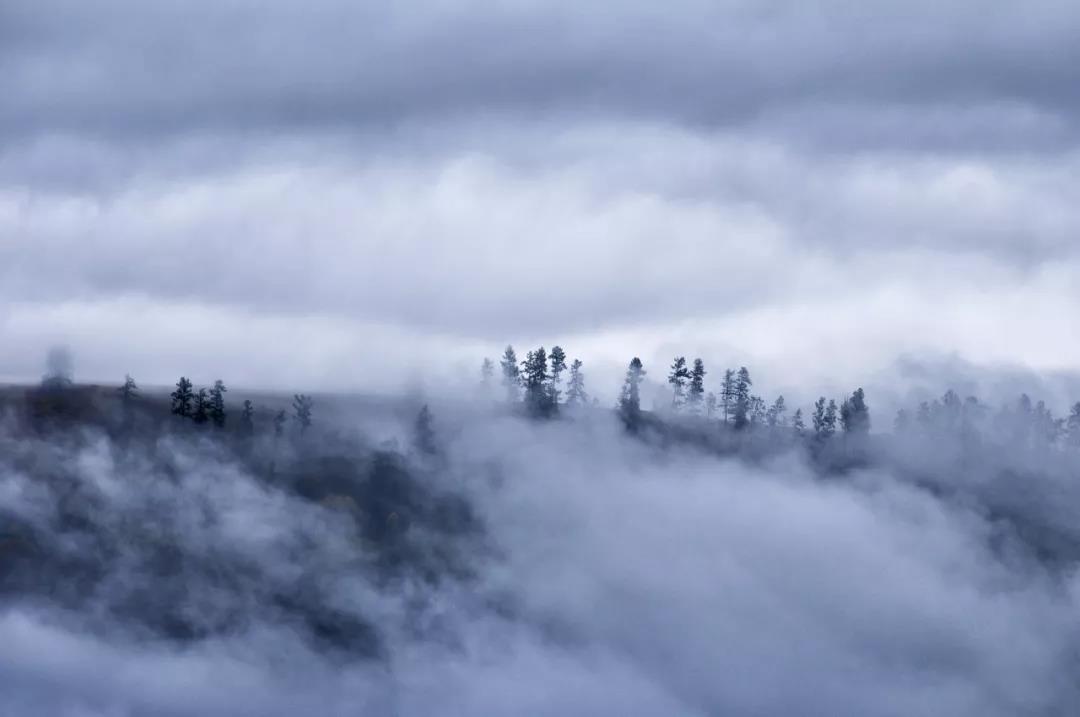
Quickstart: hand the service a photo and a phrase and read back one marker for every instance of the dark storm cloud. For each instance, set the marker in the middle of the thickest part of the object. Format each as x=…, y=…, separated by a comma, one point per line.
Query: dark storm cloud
x=124, y=69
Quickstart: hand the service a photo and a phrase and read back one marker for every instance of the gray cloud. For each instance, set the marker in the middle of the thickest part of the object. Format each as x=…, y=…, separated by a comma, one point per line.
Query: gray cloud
x=479, y=173
x=121, y=69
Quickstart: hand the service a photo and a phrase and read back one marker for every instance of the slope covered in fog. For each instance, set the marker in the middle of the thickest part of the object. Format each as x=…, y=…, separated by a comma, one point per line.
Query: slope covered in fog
x=572, y=565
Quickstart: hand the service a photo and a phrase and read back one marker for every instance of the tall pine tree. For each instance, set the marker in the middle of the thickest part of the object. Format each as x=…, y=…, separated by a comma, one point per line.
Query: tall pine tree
x=678, y=377
x=855, y=414
x=695, y=393
x=630, y=397
x=776, y=416
x=797, y=423
x=558, y=365
x=742, y=398
x=575, y=386
x=182, y=398
x=201, y=413
x=534, y=378
x=511, y=376
x=217, y=403
x=727, y=395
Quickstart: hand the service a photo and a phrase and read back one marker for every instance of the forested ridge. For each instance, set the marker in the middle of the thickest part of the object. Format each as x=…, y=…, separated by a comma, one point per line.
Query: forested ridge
x=195, y=515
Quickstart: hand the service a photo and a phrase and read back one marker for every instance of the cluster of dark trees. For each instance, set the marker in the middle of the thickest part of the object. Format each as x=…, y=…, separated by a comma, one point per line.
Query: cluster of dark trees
x=543, y=384
x=536, y=382
x=208, y=406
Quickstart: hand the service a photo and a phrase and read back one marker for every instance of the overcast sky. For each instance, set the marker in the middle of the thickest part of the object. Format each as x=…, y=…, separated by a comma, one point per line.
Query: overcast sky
x=352, y=195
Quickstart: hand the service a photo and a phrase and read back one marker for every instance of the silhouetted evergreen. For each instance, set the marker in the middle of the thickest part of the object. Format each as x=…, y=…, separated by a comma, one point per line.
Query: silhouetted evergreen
x=741, y=399
x=677, y=378
x=695, y=392
x=855, y=414
x=534, y=379
x=182, y=398
x=129, y=391
x=558, y=365
x=728, y=395
x=217, y=403
x=776, y=416
x=201, y=412
x=630, y=398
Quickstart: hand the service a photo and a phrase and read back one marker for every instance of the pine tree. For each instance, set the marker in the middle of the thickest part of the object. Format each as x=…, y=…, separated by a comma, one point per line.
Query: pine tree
x=742, y=402
x=727, y=394
x=181, y=398
x=217, y=403
x=710, y=404
x=279, y=423
x=630, y=397
x=511, y=377
x=830, y=418
x=677, y=378
x=302, y=405
x=775, y=417
x=424, y=432
x=797, y=423
x=247, y=419
x=695, y=395
x=201, y=412
x=129, y=391
x=575, y=387
x=855, y=414
x=534, y=378
x=819, y=418
x=558, y=365
x=758, y=411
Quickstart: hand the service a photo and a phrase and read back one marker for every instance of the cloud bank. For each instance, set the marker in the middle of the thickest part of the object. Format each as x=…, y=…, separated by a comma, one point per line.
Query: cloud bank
x=767, y=184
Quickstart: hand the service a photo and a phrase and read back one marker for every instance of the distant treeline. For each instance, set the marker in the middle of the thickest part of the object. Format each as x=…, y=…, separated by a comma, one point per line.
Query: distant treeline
x=536, y=383
x=544, y=385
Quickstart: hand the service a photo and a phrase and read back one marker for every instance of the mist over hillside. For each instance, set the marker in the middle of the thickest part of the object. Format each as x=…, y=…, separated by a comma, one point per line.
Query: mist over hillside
x=521, y=551
x=539, y=357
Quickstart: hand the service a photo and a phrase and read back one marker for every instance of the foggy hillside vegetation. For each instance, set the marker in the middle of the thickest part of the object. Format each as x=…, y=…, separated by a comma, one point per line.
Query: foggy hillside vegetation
x=527, y=549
